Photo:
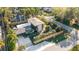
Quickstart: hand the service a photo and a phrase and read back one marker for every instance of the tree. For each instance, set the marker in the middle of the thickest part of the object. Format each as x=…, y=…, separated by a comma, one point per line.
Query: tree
x=11, y=39
x=31, y=11
x=72, y=14
x=10, y=36
x=59, y=12
x=66, y=14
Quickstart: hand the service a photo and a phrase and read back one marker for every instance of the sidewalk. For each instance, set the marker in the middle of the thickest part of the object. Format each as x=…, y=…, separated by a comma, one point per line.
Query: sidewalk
x=47, y=46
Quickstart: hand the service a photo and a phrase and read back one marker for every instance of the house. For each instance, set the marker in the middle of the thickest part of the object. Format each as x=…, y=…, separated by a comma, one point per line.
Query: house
x=19, y=29
x=17, y=15
x=47, y=9
x=36, y=23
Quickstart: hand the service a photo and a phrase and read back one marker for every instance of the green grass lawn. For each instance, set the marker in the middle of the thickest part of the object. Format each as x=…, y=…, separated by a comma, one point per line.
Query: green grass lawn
x=58, y=38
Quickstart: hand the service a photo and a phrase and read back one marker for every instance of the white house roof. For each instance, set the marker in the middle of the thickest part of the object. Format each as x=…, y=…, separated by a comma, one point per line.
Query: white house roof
x=35, y=21
x=23, y=25
x=20, y=30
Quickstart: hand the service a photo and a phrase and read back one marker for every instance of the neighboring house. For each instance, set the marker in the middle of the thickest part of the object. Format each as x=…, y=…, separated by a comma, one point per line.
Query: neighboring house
x=36, y=23
x=47, y=9
x=18, y=18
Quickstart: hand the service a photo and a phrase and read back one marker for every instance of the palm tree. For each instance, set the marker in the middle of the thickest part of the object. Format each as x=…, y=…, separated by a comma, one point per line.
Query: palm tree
x=11, y=39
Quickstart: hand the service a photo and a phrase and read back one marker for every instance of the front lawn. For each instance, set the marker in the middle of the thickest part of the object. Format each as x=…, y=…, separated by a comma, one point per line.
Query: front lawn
x=58, y=38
